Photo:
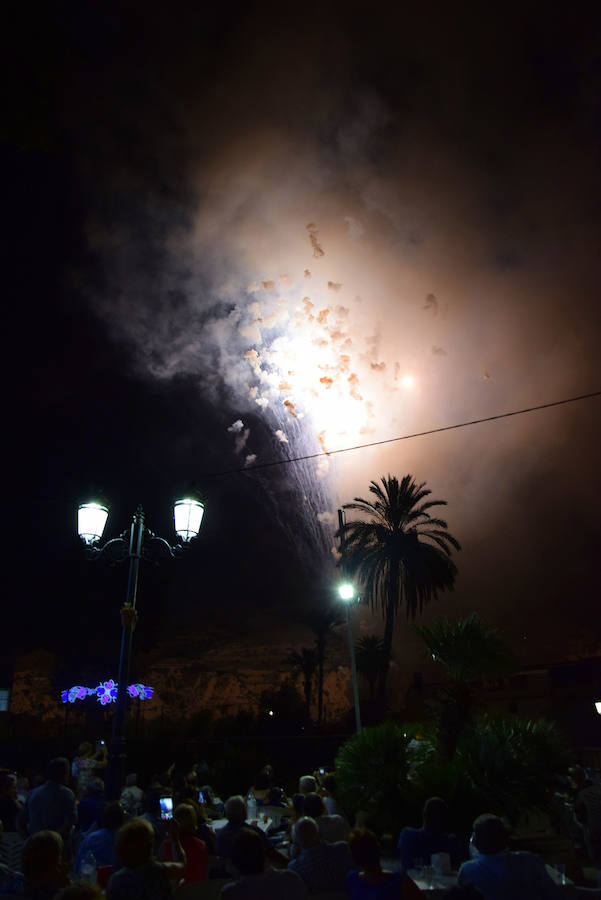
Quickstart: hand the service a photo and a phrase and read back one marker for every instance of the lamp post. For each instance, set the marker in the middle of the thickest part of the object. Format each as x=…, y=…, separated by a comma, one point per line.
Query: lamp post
x=138, y=543
x=346, y=592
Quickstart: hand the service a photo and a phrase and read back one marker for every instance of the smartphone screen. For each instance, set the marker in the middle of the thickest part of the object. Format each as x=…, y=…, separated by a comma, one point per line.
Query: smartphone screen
x=201, y=797
x=166, y=804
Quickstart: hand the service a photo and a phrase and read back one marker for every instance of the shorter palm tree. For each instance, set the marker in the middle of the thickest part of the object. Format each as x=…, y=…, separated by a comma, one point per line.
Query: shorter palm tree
x=306, y=661
x=369, y=656
x=468, y=650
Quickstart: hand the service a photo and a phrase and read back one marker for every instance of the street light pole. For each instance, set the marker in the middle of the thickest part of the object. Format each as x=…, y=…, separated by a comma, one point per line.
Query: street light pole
x=140, y=543
x=347, y=593
x=116, y=765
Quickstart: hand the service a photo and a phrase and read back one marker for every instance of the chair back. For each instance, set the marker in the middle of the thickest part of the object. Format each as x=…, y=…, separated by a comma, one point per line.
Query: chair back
x=11, y=846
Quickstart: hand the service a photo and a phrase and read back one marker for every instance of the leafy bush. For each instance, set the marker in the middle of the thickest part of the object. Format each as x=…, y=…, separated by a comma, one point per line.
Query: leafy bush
x=509, y=762
x=371, y=771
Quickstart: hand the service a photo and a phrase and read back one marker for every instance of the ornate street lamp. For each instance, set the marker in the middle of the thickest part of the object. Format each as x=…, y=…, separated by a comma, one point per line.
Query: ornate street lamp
x=135, y=544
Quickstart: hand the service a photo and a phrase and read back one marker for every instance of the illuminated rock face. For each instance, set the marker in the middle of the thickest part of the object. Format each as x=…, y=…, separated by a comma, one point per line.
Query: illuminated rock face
x=225, y=680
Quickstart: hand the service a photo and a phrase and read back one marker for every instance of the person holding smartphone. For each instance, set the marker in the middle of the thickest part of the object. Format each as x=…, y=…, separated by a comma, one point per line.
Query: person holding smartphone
x=142, y=875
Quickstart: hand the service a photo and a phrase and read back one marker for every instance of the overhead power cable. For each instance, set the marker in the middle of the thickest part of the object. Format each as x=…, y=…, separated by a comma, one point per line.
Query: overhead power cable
x=403, y=437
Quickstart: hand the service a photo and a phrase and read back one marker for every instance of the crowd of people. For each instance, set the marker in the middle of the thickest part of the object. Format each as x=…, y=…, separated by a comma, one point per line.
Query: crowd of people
x=75, y=845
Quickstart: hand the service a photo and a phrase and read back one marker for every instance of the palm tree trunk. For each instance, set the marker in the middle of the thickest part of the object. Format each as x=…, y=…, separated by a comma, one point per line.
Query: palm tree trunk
x=320, y=660
x=386, y=650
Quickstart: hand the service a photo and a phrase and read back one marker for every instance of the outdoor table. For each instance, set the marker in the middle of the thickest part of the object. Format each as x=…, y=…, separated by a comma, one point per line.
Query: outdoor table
x=437, y=884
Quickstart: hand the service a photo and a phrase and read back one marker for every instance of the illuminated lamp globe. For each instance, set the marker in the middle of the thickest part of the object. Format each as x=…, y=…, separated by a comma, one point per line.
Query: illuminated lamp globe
x=188, y=514
x=346, y=592
x=91, y=519
x=598, y=706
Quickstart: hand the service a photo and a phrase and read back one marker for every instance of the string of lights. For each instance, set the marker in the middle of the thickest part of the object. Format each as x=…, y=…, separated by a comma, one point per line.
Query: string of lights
x=403, y=437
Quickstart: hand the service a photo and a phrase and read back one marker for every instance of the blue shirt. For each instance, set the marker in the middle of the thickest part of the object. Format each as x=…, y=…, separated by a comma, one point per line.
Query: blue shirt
x=51, y=806
x=102, y=844
x=324, y=867
x=518, y=875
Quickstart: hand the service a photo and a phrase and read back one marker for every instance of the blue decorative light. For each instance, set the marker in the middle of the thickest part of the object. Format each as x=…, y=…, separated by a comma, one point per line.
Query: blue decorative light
x=106, y=692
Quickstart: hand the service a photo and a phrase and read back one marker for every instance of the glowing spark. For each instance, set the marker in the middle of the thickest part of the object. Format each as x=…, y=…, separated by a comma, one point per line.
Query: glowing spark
x=407, y=381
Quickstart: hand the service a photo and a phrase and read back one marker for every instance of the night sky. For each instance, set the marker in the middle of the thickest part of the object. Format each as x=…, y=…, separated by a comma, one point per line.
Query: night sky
x=163, y=162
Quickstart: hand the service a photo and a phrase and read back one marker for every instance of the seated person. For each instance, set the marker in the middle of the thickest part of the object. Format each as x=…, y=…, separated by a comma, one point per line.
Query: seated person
x=331, y=828
x=91, y=805
x=323, y=867
x=102, y=841
x=9, y=804
x=261, y=787
x=213, y=805
x=44, y=872
x=501, y=874
x=143, y=876
x=197, y=855
x=256, y=882
x=432, y=837
x=235, y=811
x=307, y=784
x=328, y=794
x=276, y=798
x=132, y=796
x=368, y=881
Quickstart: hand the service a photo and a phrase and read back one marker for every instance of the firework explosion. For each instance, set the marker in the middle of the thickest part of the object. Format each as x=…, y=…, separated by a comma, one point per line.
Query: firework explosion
x=317, y=373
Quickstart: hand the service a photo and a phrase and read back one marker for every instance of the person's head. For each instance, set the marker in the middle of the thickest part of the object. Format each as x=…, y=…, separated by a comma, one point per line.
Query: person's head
x=307, y=784
x=186, y=818
x=208, y=793
x=58, y=770
x=577, y=776
x=248, y=852
x=80, y=890
x=151, y=803
x=365, y=848
x=134, y=842
x=313, y=806
x=85, y=749
x=112, y=816
x=235, y=809
x=275, y=795
x=328, y=782
x=434, y=815
x=298, y=802
x=8, y=784
x=131, y=780
x=262, y=781
x=306, y=833
x=490, y=834
x=41, y=859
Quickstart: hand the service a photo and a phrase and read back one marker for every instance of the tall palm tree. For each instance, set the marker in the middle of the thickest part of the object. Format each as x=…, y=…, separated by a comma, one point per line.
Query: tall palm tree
x=398, y=552
x=369, y=652
x=306, y=661
x=322, y=620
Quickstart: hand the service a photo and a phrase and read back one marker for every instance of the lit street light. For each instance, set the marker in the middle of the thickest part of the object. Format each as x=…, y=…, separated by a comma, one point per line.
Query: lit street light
x=598, y=706
x=346, y=592
x=135, y=544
